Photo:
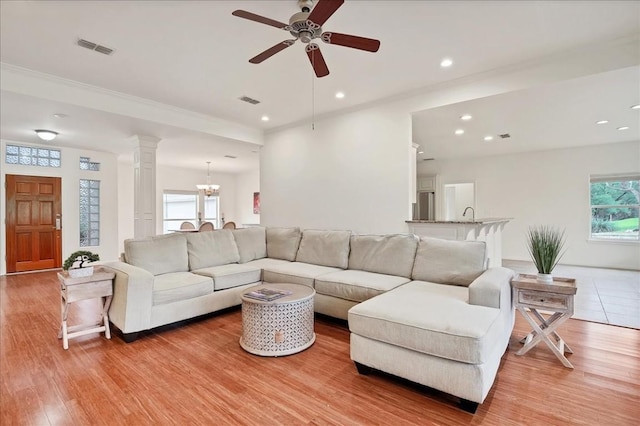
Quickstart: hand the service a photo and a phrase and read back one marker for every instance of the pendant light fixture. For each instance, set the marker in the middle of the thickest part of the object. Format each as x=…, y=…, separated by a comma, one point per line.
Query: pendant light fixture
x=209, y=189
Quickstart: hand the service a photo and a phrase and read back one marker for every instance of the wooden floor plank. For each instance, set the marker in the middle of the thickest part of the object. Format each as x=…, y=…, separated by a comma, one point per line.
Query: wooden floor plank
x=197, y=373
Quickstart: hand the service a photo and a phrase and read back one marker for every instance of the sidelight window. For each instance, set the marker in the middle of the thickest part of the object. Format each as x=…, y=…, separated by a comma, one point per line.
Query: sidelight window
x=89, y=212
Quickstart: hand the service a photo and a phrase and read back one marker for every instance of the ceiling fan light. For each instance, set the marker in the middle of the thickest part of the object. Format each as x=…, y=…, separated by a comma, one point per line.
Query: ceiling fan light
x=46, y=135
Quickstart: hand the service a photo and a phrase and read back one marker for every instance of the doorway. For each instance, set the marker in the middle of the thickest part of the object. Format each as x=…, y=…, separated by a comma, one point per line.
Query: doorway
x=457, y=197
x=33, y=223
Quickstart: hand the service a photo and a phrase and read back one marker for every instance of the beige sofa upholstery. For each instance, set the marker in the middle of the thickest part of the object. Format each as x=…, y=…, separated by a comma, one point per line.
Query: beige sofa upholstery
x=423, y=309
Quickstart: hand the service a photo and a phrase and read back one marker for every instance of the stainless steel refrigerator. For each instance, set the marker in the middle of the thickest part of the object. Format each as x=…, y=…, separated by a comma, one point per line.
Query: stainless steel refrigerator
x=425, y=208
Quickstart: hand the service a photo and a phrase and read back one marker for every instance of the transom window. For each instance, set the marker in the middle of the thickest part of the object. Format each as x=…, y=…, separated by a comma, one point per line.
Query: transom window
x=32, y=156
x=615, y=207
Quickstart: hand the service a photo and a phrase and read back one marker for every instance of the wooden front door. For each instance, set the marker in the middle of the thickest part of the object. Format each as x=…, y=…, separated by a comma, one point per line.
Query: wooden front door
x=33, y=223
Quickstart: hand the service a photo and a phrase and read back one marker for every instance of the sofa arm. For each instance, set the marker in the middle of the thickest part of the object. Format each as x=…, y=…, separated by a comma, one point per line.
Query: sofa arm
x=130, y=309
x=492, y=288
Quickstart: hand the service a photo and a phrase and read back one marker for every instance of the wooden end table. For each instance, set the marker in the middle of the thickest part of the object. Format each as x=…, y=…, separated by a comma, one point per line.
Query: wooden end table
x=98, y=285
x=529, y=295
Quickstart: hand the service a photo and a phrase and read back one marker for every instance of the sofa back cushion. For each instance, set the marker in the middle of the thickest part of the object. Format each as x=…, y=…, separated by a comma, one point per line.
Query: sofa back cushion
x=325, y=248
x=383, y=254
x=282, y=243
x=449, y=262
x=213, y=248
x=158, y=255
x=251, y=242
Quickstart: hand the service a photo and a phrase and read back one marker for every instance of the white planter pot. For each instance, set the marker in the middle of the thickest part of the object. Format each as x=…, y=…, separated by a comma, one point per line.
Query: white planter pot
x=545, y=278
x=81, y=272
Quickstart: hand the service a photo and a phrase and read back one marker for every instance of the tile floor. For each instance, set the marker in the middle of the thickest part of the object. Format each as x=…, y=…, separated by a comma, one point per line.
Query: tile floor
x=609, y=296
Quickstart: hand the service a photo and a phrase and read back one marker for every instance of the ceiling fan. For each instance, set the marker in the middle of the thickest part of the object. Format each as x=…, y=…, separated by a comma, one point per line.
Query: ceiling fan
x=306, y=26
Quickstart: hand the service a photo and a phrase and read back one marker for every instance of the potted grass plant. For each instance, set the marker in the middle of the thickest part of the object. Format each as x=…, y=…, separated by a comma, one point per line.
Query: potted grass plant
x=545, y=245
x=78, y=263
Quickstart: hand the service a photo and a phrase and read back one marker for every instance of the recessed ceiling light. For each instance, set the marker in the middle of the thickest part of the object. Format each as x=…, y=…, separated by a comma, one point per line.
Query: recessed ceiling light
x=420, y=152
x=602, y=122
x=623, y=128
x=446, y=62
x=60, y=115
x=635, y=106
x=265, y=118
x=459, y=131
x=340, y=95
x=46, y=135
x=466, y=117
x=488, y=138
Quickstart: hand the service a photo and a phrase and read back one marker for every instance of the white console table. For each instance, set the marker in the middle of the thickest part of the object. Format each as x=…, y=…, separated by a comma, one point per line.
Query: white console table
x=488, y=230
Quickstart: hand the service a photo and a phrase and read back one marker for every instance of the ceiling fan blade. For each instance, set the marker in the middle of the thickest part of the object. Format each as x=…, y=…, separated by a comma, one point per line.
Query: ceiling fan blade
x=271, y=51
x=355, y=42
x=323, y=10
x=317, y=60
x=257, y=18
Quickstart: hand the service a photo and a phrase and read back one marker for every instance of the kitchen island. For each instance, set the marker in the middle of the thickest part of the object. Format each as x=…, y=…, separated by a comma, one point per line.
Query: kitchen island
x=488, y=230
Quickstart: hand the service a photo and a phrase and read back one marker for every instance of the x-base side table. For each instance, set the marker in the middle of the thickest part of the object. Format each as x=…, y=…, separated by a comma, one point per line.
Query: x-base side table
x=98, y=285
x=529, y=296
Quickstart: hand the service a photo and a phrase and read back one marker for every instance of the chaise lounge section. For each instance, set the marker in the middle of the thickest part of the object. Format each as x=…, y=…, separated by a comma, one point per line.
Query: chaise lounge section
x=425, y=309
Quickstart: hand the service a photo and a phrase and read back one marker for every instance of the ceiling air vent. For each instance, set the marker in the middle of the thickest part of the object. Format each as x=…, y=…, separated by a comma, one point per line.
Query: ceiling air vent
x=230, y=156
x=428, y=159
x=505, y=136
x=249, y=100
x=95, y=47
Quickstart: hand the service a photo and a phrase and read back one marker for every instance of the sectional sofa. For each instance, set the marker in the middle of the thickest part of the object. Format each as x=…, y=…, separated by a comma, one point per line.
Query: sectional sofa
x=427, y=310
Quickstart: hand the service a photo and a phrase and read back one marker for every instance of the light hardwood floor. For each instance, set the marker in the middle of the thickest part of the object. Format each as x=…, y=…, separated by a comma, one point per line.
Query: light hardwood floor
x=198, y=374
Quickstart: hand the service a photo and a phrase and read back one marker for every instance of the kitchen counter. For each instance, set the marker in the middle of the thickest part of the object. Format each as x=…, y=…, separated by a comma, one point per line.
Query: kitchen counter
x=482, y=221
x=488, y=230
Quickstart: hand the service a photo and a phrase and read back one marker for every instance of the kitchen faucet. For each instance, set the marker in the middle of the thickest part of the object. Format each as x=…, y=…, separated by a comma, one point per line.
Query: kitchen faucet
x=473, y=213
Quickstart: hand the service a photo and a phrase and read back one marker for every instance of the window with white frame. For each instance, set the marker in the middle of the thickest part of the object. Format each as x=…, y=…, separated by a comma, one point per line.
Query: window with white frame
x=89, y=212
x=615, y=207
x=178, y=207
x=211, y=209
x=188, y=206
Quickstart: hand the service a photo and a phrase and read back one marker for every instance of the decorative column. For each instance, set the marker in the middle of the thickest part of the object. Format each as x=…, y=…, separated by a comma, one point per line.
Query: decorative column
x=144, y=185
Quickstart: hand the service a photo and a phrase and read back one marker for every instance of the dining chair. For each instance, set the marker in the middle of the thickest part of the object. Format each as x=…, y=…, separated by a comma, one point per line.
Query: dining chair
x=187, y=225
x=206, y=226
x=229, y=225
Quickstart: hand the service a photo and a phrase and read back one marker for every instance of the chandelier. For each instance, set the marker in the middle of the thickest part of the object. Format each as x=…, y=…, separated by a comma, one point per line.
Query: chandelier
x=209, y=189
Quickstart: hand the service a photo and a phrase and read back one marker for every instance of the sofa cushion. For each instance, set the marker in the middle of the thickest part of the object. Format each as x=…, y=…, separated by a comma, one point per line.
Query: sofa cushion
x=295, y=273
x=176, y=286
x=251, y=242
x=356, y=285
x=161, y=254
x=449, y=262
x=231, y=275
x=211, y=249
x=430, y=318
x=326, y=248
x=384, y=254
x=282, y=243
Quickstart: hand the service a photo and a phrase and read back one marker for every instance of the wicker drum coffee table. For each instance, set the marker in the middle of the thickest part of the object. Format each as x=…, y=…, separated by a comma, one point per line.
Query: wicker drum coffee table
x=280, y=327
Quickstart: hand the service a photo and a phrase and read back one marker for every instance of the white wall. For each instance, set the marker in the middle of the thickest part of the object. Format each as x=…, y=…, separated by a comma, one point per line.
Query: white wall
x=169, y=178
x=351, y=172
x=71, y=174
x=547, y=187
x=246, y=185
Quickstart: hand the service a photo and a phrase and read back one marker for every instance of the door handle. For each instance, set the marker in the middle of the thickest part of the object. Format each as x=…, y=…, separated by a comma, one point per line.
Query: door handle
x=58, y=223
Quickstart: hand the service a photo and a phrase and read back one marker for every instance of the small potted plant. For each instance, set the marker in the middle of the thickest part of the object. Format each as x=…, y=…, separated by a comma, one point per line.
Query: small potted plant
x=78, y=264
x=545, y=245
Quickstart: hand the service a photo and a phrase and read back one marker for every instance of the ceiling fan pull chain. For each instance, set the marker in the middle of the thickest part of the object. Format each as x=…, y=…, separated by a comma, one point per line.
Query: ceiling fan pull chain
x=313, y=93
